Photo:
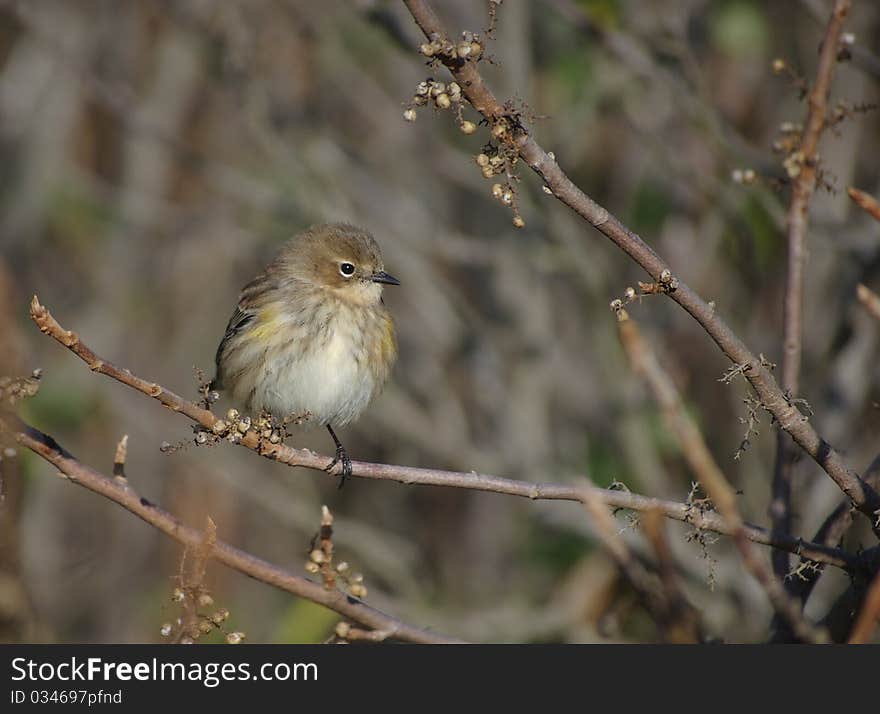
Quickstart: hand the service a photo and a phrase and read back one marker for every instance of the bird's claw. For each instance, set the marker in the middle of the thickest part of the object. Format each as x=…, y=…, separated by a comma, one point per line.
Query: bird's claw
x=343, y=458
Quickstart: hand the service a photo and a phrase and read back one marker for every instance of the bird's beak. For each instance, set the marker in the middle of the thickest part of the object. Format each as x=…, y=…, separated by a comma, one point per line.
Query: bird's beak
x=383, y=277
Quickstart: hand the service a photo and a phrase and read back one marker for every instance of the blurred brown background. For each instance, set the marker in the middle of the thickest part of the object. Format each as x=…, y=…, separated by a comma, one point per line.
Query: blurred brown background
x=153, y=156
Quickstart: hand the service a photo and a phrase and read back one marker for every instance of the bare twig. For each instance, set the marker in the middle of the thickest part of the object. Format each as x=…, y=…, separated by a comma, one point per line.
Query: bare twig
x=710, y=476
x=862, y=54
x=123, y=494
x=119, y=459
x=802, y=187
x=831, y=533
x=869, y=299
x=680, y=620
x=865, y=201
x=290, y=456
x=324, y=542
x=773, y=398
x=346, y=633
x=656, y=598
x=192, y=591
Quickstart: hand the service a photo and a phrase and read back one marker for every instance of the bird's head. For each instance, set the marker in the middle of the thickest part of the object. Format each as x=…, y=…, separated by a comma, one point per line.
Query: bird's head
x=341, y=258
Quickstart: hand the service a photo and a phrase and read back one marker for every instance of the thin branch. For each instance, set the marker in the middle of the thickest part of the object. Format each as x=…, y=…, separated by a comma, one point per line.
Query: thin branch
x=346, y=633
x=869, y=615
x=710, y=476
x=772, y=397
x=119, y=459
x=681, y=621
x=862, y=55
x=830, y=533
x=656, y=598
x=123, y=494
x=780, y=499
x=802, y=188
x=869, y=299
x=865, y=201
x=606, y=528
x=290, y=456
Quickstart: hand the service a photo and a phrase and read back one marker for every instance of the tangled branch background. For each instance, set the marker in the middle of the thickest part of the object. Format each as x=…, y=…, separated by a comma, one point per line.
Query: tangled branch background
x=156, y=154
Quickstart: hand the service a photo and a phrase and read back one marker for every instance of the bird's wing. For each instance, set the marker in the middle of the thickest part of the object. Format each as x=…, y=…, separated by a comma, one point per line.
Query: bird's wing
x=249, y=302
x=240, y=319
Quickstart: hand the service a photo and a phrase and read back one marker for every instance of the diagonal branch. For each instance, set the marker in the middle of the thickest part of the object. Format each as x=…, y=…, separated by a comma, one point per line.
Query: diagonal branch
x=675, y=617
x=868, y=617
x=680, y=619
x=123, y=494
x=290, y=456
x=802, y=188
x=865, y=201
x=830, y=533
x=772, y=397
x=710, y=476
x=869, y=299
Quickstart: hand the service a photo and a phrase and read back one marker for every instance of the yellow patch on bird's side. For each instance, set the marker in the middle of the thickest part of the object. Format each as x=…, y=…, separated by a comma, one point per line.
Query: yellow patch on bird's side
x=267, y=324
x=387, y=341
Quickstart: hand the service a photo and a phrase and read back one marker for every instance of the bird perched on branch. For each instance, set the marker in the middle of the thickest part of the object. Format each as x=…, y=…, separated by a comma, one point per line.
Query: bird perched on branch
x=311, y=335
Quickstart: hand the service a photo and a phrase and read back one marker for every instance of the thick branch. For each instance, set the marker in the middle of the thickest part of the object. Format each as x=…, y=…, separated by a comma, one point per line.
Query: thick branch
x=123, y=494
x=773, y=399
x=802, y=188
x=432, y=477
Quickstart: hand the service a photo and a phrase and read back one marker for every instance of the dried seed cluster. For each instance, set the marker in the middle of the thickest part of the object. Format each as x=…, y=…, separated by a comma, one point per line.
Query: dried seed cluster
x=788, y=144
x=468, y=49
x=501, y=153
x=14, y=389
x=198, y=617
x=441, y=96
x=236, y=426
x=321, y=560
x=617, y=305
x=666, y=283
x=500, y=159
x=496, y=159
x=790, y=136
x=745, y=177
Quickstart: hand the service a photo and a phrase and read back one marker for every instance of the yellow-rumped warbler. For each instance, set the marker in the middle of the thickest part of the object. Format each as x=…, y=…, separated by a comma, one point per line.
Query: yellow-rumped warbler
x=311, y=334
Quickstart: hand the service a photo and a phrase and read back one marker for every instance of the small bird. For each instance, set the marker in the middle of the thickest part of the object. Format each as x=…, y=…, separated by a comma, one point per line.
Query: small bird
x=311, y=335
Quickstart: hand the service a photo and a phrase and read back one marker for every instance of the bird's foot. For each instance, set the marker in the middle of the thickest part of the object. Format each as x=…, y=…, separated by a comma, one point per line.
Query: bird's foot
x=340, y=458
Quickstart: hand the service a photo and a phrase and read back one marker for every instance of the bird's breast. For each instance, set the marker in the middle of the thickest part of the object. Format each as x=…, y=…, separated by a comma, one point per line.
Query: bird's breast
x=330, y=367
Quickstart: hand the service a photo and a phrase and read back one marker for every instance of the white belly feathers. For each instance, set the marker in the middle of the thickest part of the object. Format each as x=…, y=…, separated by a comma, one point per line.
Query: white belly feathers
x=327, y=382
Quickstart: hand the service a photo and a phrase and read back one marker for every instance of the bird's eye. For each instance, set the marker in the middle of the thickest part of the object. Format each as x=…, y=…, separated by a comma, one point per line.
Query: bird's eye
x=346, y=269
